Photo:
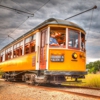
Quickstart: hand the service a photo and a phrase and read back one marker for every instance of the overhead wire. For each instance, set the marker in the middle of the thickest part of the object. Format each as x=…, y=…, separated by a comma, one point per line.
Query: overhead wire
x=9, y=8
x=90, y=18
x=14, y=31
x=21, y=6
x=90, y=24
x=24, y=21
x=21, y=24
x=37, y=9
x=30, y=16
x=0, y=1
x=34, y=12
x=94, y=36
x=42, y=6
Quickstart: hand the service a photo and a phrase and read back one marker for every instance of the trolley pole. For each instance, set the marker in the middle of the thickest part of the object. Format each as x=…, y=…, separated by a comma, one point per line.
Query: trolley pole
x=82, y=12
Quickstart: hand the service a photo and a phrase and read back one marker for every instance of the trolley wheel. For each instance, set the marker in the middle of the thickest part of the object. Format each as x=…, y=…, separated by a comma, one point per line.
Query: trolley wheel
x=76, y=79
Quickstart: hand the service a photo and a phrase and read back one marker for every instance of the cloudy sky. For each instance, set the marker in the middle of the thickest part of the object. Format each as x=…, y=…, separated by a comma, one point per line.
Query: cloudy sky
x=15, y=24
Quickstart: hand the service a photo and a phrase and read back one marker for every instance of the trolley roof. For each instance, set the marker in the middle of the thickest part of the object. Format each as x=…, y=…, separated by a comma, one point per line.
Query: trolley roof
x=48, y=22
x=58, y=21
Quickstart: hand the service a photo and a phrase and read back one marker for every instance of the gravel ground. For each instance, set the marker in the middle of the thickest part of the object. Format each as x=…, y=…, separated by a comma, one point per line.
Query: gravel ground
x=24, y=92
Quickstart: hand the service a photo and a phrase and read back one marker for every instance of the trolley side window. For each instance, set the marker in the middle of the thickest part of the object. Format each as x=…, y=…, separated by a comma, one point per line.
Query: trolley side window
x=73, y=39
x=18, y=49
x=33, y=43
x=8, y=53
x=2, y=57
x=82, y=42
x=30, y=44
x=15, y=51
x=57, y=37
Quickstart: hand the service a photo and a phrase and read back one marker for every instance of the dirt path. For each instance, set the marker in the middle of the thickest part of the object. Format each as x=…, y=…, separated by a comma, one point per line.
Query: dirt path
x=24, y=92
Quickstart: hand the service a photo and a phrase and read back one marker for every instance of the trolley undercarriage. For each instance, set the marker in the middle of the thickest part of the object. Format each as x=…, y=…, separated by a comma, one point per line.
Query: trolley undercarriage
x=42, y=77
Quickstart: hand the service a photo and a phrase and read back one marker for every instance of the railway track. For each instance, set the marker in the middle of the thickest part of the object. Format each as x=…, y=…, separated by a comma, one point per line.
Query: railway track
x=75, y=90
x=82, y=91
x=80, y=87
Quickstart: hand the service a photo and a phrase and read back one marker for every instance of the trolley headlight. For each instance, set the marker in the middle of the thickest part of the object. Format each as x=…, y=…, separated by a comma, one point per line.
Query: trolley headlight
x=82, y=55
x=57, y=58
x=74, y=55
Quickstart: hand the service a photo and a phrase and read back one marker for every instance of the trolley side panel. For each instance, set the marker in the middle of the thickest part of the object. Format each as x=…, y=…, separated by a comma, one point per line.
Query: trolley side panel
x=69, y=63
x=26, y=62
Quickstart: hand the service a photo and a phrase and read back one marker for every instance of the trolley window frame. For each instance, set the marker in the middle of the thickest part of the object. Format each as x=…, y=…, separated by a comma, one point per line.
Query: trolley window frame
x=60, y=46
x=78, y=39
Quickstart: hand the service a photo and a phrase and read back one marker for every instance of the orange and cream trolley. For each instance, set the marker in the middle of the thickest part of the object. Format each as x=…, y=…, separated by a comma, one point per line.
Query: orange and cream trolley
x=46, y=54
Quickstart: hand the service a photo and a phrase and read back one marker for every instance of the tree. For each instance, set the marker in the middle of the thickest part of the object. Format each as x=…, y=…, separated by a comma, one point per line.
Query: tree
x=93, y=67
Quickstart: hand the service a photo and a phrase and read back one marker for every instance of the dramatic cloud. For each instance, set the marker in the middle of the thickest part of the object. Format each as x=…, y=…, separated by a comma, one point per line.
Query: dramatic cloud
x=15, y=24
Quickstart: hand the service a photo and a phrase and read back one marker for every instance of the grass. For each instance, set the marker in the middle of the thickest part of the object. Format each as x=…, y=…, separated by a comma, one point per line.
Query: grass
x=91, y=80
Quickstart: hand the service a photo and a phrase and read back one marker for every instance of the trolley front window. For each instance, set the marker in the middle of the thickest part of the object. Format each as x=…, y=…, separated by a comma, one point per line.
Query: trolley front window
x=57, y=37
x=73, y=39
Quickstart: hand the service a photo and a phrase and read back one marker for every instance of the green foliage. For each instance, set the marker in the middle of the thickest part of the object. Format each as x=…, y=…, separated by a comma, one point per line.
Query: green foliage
x=93, y=67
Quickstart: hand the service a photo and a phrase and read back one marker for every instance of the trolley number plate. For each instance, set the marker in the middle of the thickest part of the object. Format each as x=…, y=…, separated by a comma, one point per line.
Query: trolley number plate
x=57, y=58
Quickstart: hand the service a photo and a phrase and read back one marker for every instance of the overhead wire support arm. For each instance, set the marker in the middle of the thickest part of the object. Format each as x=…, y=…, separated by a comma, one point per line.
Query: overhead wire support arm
x=11, y=37
x=16, y=10
x=82, y=12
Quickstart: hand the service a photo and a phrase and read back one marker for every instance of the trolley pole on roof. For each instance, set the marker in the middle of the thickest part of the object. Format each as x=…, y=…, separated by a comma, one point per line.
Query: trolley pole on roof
x=82, y=12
